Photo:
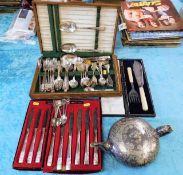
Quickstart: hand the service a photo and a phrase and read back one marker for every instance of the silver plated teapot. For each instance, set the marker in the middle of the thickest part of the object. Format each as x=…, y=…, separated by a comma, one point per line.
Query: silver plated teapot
x=133, y=141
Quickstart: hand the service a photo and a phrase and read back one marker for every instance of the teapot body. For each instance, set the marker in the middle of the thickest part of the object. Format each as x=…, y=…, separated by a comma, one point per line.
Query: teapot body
x=133, y=141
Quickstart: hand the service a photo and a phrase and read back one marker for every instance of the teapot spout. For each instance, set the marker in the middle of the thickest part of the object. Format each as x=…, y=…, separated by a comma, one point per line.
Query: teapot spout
x=105, y=146
x=164, y=130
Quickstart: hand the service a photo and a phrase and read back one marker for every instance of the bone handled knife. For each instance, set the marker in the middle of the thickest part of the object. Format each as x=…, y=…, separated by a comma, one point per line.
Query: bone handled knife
x=38, y=155
x=22, y=154
x=87, y=126
x=95, y=122
x=30, y=155
x=138, y=71
x=68, y=162
x=59, y=161
x=79, y=121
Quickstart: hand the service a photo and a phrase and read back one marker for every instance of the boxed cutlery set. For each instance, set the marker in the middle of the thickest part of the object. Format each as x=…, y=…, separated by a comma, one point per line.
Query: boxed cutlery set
x=77, y=45
x=136, y=99
x=56, y=136
x=78, y=79
x=77, y=63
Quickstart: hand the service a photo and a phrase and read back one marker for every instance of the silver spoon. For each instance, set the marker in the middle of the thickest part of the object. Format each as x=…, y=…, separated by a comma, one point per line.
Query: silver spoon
x=63, y=119
x=72, y=48
x=101, y=80
x=71, y=58
x=59, y=81
x=71, y=27
x=94, y=67
x=81, y=68
x=109, y=80
x=65, y=86
x=73, y=83
x=86, y=79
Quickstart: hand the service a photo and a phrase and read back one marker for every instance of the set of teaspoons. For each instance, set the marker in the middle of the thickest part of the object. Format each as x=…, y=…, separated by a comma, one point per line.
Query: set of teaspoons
x=73, y=71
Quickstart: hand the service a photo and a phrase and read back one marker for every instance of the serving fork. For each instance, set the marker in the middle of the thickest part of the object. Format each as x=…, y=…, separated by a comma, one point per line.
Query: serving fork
x=133, y=95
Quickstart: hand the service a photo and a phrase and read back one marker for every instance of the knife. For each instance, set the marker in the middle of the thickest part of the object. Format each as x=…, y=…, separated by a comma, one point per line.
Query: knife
x=68, y=163
x=95, y=124
x=79, y=123
x=30, y=155
x=138, y=71
x=22, y=154
x=87, y=126
x=50, y=155
x=59, y=161
x=38, y=155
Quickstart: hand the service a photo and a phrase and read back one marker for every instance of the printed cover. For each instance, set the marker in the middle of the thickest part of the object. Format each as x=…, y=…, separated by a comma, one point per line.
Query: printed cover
x=156, y=15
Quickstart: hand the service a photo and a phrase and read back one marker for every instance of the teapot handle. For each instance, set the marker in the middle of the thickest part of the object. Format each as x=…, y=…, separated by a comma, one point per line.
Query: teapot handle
x=163, y=130
x=105, y=146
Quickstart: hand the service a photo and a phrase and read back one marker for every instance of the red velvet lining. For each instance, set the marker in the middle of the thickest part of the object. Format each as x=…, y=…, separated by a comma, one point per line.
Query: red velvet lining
x=47, y=105
x=36, y=106
x=92, y=104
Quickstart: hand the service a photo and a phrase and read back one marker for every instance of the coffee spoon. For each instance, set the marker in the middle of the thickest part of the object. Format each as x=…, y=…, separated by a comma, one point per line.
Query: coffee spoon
x=59, y=81
x=101, y=80
x=65, y=86
x=73, y=83
x=109, y=79
x=94, y=67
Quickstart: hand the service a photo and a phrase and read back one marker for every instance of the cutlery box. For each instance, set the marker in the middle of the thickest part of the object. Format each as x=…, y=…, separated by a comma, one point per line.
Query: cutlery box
x=49, y=16
x=47, y=110
x=128, y=108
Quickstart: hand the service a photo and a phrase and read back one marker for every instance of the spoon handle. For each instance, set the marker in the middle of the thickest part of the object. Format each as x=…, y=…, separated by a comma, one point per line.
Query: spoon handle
x=93, y=28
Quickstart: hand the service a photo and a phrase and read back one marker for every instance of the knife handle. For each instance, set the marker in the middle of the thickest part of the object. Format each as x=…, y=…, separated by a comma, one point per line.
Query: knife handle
x=22, y=154
x=68, y=162
x=59, y=161
x=38, y=155
x=50, y=156
x=86, y=158
x=77, y=158
x=130, y=76
x=30, y=155
x=95, y=160
x=143, y=99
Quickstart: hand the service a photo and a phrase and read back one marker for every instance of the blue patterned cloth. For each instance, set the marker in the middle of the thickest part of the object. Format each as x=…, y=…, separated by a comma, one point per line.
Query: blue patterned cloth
x=164, y=68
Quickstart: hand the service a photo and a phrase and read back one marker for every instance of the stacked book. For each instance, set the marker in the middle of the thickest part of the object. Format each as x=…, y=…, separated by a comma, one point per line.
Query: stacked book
x=7, y=6
x=154, y=22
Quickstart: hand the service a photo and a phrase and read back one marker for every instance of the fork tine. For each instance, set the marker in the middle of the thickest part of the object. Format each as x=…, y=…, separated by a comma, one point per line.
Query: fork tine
x=135, y=98
x=129, y=98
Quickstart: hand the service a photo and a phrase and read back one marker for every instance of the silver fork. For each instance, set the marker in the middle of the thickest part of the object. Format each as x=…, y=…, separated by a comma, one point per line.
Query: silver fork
x=133, y=95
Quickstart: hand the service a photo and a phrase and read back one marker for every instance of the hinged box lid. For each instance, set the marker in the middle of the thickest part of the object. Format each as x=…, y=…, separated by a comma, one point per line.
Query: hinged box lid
x=51, y=15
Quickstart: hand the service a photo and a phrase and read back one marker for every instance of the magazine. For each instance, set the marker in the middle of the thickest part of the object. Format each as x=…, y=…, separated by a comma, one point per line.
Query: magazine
x=155, y=15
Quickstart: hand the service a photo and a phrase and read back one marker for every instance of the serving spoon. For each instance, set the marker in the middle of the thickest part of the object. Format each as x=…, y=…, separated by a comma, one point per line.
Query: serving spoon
x=71, y=27
x=72, y=48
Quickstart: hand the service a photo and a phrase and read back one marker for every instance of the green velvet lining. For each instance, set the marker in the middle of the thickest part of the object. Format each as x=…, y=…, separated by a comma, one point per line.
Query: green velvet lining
x=53, y=54
x=57, y=27
x=54, y=18
x=51, y=20
x=97, y=25
x=53, y=11
x=78, y=77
